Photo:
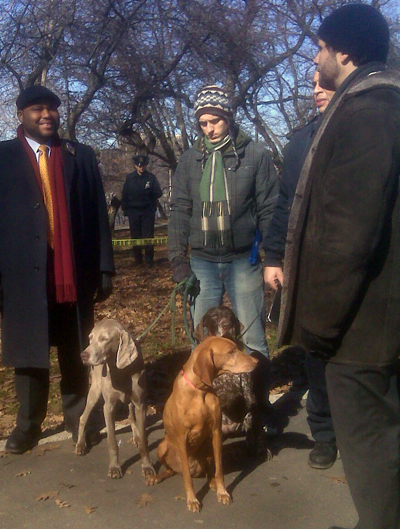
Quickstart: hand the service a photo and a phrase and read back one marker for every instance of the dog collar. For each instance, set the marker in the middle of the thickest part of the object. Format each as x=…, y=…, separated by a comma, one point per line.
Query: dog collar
x=187, y=380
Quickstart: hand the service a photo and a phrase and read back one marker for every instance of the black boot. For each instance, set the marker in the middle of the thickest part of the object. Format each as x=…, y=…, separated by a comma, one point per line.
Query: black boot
x=323, y=455
x=32, y=388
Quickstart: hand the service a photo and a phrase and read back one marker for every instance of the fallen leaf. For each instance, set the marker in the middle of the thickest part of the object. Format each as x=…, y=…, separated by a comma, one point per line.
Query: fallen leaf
x=23, y=473
x=128, y=472
x=62, y=504
x=90, y=510
x=46, y=448
x=145, y=499
x=67, y=485
x=47, y=495
x=180, y=497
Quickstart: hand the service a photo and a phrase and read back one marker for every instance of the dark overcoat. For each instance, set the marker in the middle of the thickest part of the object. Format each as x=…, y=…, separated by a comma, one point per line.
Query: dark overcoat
x=140, y=192
x=23, y=248
x=342, y=257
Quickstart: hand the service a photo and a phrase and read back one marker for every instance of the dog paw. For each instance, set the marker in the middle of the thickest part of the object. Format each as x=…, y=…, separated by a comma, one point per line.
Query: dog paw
x=224, y=497
x=152, y=479
x=81, y=449
x=115, y=472
x=147, y=470
x=193, y=505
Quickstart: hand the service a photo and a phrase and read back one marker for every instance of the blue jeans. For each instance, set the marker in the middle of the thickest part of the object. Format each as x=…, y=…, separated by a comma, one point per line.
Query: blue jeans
x=243, y=284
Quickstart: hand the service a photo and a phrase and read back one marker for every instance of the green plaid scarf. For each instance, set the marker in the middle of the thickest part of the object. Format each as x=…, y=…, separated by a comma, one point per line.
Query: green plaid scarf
x=215, y=219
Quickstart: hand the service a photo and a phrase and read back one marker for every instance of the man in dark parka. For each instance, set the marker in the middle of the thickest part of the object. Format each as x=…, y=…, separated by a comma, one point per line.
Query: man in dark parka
x=341, y=292
x=55, y=255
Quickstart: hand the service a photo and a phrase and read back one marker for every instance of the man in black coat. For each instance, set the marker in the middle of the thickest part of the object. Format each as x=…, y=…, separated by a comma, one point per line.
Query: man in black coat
x=319, y=417
x=139, y=203
x=341, y=283
x=55, y=259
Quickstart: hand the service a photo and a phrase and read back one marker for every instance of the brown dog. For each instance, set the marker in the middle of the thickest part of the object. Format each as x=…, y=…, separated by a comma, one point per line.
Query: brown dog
x=235, y=392
x=117, y=372
x=192, y=418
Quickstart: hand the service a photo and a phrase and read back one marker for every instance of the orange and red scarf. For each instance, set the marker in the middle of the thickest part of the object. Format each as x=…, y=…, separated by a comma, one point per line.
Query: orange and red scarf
x=63, y=270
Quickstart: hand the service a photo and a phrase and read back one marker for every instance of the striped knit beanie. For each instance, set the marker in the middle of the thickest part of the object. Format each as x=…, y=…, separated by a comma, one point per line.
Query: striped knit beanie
x=213, y=100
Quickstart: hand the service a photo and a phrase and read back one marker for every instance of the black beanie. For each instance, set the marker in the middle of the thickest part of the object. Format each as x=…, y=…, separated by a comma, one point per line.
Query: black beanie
x=33, y=93
x=358, y=30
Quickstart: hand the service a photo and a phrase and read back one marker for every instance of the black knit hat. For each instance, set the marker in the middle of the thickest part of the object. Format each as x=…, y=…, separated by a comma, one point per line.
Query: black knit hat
x=33, y=93
x=213, y=100
x=358, y=30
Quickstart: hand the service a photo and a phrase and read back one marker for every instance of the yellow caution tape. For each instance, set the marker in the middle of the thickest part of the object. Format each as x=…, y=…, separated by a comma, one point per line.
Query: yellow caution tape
x=155, y=241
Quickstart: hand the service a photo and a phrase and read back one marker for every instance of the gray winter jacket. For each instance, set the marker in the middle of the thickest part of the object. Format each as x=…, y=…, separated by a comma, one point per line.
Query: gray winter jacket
x=253, y=189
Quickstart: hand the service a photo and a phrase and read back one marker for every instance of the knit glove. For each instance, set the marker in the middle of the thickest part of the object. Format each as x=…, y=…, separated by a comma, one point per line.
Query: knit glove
x=180, y=269
x=105, y=287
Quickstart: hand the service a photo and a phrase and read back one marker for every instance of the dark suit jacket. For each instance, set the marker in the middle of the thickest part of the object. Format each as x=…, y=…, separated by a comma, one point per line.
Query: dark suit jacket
x=23, y=248
x=293, y=159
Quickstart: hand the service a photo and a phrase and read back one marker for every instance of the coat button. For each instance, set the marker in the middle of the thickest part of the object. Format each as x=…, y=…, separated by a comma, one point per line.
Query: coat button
x=37, y=237
x=37, y=205
x=37, y=268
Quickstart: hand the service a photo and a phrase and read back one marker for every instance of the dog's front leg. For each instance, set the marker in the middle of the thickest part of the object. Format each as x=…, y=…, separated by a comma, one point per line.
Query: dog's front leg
x=140, y=436
x=223, y=495
x=192, y=502
x=114, y=470
x=92, y=399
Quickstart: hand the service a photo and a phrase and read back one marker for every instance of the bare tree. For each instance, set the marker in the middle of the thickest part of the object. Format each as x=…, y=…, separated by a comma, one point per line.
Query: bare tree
x=128, y=70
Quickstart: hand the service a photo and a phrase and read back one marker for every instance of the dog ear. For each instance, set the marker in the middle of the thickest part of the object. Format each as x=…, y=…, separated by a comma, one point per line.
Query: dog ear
x=238, y=328
x=127, y=350
x=198, y=334
x=204, y=366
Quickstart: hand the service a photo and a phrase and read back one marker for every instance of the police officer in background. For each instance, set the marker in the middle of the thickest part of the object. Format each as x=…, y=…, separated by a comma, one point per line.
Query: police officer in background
x=139, y=203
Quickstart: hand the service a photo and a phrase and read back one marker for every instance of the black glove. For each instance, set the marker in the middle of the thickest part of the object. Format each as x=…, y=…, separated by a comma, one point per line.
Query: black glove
x=323, y=348
x=105, y=287
x=180, y=269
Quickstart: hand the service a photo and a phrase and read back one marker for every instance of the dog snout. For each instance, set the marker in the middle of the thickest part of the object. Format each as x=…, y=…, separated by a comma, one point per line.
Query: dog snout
x=85, y=355
x=246, y=363
x=225, y=330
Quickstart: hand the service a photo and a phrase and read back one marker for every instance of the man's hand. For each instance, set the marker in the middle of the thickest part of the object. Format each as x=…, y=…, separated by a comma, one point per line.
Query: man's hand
x=273, y=275
x=180, y=269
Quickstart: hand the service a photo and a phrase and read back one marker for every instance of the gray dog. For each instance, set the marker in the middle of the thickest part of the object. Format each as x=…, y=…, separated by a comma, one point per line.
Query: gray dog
x=117, y=372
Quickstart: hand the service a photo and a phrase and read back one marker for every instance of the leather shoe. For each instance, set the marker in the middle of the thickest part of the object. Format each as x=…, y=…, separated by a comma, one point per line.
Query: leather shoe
x=20, y=442
x=323, y=455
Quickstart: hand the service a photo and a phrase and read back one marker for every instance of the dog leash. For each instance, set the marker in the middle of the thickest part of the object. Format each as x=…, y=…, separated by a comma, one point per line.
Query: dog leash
x=185, y=288
x=244, y=332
